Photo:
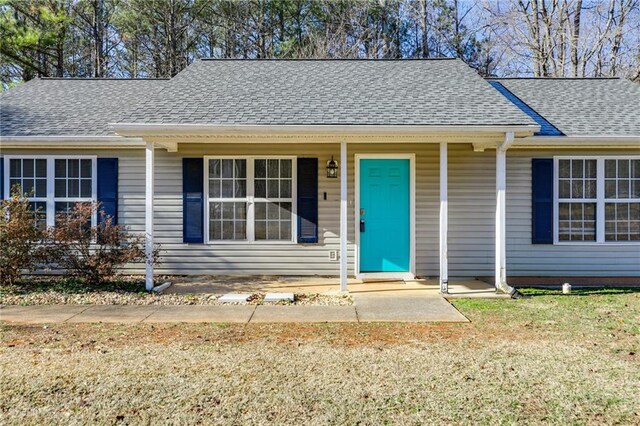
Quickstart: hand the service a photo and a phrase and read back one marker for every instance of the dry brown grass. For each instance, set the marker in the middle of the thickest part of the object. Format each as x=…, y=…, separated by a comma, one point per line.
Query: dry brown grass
x=550, y=359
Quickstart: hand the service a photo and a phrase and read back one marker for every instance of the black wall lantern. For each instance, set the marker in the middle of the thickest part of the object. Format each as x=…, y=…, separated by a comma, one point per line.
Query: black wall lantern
x=332, y=168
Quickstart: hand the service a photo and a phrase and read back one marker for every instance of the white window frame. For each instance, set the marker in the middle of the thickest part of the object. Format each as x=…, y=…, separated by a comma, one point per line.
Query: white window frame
x=600, y=199
x=250, y=179
x=51, y=199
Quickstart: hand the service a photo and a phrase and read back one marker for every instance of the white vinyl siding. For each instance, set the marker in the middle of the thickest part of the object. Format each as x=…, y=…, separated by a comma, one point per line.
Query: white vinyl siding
x=471, y=215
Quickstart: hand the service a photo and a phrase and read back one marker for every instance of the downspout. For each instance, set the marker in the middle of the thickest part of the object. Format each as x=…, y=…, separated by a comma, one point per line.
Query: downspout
x=501, y=170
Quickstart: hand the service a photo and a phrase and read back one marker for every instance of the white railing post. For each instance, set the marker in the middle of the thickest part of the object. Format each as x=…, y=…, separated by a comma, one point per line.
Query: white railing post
x=444, y=220
x=148, y=213
x=343, y=216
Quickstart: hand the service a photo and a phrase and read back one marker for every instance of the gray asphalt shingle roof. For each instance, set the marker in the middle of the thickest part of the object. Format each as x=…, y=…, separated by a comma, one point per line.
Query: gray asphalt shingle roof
x=65, y=107
x=317, y=92
x=581, y=107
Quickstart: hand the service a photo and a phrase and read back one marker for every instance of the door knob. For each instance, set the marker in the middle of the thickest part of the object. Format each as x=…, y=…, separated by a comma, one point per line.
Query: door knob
x=361, y=225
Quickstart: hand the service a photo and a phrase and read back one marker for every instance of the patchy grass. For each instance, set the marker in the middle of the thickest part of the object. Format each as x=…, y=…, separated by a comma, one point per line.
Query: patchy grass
x=549, y=359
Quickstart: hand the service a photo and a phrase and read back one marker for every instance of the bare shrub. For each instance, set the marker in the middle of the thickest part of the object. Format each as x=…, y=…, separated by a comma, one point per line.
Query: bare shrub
x=22, y=240
x=94, y=253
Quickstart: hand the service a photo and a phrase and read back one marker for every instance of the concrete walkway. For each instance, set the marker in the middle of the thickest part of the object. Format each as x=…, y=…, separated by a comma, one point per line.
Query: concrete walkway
x=366, y=308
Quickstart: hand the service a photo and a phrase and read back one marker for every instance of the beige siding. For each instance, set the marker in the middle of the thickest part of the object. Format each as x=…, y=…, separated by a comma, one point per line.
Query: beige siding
x=471, y=221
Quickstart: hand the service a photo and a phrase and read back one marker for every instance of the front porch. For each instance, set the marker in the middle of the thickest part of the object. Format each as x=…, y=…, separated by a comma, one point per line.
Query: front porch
x=469, y=288
x=454, y=185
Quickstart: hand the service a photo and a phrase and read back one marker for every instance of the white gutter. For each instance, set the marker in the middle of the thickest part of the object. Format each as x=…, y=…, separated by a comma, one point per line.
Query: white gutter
x=135, y=129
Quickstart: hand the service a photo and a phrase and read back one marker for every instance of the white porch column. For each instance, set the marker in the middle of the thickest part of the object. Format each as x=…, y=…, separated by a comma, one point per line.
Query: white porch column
x=501, y=216
x=148, y=213
x=444, y=219
x=343, y=216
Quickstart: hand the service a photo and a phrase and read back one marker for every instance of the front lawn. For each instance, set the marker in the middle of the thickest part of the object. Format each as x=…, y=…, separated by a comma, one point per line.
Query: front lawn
x=549, y=359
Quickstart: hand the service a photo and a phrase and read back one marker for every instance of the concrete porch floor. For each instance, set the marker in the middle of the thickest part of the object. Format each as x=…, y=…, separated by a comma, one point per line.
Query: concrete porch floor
x=327, y=285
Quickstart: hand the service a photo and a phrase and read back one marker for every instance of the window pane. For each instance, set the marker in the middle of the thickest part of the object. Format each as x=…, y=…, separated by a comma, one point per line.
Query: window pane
x=260, y=188
x=214, y=188
x=272, y=168
x=261, y=230
x=591, y=169
x=227, y=187
x=61, y=168
x=610, y=188
x=28, y=168
x=273, y=211
x=241, y=188
x=635, y=169
x=85, y=168
x=285, y=189
x=15, y=168
x=241, y=168
x=285, y=168
x=214, y=168
x=273, y=230
x=215, y=211
x=285, y=230
x=41, y=168
x=591, y=189
x=261, y=211
x=215, y=230
x=260, y=168
x=577, y=189
x=73, y=168
x=227, y=230
x=272, y=189
x=227, y=211
x=565, y=168
x=41, y=188
x=241, y=230
x=610, y=168
x=623, y=168
x=635, y=188
x=28, y=187
x=623, y=188
x=85, y=188
x=227, y=168
x=241, y=211
x=73, y=188
x=577, y=168
x=565, y=189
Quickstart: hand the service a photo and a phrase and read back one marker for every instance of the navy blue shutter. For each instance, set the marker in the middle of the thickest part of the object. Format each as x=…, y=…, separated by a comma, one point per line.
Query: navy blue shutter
x=193, y=200
x=307, y=200
x=542, y=200
x=1, y=178
x=108, y=188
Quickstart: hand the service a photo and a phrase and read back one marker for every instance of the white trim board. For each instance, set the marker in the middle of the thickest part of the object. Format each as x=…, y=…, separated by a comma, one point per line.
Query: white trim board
x=412, y=217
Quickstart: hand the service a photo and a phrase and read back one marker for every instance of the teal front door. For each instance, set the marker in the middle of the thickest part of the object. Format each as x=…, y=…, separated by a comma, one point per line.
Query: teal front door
x=385, y=215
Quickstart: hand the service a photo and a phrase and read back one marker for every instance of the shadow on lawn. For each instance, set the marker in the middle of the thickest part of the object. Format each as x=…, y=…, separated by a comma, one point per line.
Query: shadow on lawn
x=71, y=286
x=583, y=291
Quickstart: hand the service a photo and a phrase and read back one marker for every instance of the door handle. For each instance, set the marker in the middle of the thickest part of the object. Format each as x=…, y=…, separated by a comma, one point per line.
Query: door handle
x=361, y=225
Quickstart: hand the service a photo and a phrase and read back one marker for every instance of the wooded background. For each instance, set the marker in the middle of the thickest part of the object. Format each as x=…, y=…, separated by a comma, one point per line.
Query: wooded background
x=158, y=38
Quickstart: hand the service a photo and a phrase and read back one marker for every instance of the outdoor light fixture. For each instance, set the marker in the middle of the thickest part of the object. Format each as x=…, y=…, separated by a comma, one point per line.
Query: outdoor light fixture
x=332, y=168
